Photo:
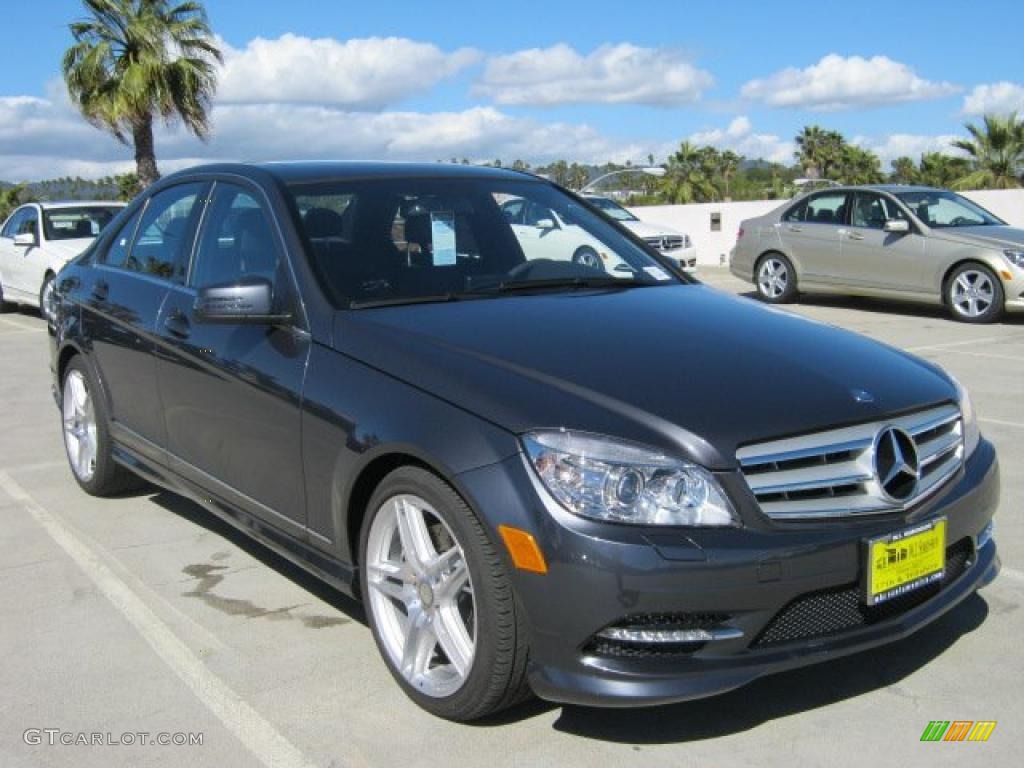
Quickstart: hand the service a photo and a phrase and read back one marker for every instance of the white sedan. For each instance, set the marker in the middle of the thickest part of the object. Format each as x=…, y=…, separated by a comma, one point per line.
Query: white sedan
x=543, y=233
x=668, y=242
x=40, y=238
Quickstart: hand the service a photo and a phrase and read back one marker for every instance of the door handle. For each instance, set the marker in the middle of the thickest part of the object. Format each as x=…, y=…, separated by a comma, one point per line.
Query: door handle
x=100, y=290
x=177, y=325
x=793, y=228
x=855, y=235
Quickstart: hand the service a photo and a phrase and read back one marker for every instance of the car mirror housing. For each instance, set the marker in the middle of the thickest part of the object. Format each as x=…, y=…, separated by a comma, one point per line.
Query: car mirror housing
x=248, y=301
x=546, y=224
x=899, y=226
x=25, y=240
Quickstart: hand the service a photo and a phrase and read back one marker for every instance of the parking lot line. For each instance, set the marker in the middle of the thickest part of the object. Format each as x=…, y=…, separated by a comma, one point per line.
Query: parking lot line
x=1014, y=358
x=965, y=343
x=1002, y=423
x=19, y=326
x=258, y=735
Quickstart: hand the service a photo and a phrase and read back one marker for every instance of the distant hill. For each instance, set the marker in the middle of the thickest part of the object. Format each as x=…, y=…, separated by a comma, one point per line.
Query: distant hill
x=77, y=188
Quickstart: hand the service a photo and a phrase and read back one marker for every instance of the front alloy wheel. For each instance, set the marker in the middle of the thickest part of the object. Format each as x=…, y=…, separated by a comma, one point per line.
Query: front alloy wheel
x=439, y=599
x=974, y=294
x=421, y=595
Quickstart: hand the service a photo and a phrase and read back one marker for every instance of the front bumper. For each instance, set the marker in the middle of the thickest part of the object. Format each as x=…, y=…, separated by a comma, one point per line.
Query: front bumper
x=686, y=258
x=600, y=574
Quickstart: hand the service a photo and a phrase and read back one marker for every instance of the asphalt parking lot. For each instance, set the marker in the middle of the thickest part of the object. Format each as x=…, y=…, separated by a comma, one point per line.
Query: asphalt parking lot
x=146, y=614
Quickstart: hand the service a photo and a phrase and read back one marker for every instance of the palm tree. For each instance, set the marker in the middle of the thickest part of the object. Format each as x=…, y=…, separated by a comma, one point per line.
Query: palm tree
x=904, y=170
x=728, y=164
x=133, y=60
x=996, y=152
x=819, y=151
x=687, y=178
x=939, y=170
x=859, y=166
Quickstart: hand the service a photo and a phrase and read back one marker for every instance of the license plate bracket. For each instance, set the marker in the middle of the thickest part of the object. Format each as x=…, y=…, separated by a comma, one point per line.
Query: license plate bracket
x=904, y=561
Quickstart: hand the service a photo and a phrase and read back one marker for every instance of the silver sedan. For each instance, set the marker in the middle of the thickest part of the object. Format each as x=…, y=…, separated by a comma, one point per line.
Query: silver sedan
x=886, y=241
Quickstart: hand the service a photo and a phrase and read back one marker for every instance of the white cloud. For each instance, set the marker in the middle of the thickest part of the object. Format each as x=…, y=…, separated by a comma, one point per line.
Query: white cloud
x=611, y=74
x=739, y=136
x=888, y=148
x=838, y=82
x=999, y=98
x=366, y=73
x=41, y=138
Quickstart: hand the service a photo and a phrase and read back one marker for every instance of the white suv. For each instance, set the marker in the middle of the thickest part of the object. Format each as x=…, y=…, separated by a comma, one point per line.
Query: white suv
x=40, y=238
x=667, y=241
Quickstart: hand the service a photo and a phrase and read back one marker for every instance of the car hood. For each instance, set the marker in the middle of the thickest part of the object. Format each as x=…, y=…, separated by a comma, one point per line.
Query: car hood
x=985, y=236
x=67, y=249
x=646, y=229
x=684, y=368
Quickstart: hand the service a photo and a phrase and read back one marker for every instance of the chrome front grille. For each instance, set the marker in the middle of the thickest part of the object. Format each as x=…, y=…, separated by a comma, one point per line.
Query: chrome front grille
x=665, y=242
x=834, y=473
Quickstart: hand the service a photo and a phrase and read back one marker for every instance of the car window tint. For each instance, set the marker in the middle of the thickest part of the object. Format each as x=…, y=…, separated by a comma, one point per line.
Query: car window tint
x=76, y=223
x=237, y=240
x=829, y=208
x=797, y=213
x=14, y=224
x=120, y=244
x=872, y=211
x=162, y=242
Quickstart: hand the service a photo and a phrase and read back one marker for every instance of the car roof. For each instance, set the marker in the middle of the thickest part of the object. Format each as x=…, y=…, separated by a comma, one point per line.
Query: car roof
x=332, y=170
x=57, y=204
x=892, y=189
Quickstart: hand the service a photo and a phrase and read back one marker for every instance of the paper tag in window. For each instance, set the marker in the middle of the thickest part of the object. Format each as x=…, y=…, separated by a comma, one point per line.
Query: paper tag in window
x=657, y=273
x=442, y=237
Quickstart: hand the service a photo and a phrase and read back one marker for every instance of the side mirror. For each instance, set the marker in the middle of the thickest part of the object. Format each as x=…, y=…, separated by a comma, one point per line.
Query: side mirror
x=25, y=240
x=897, y=226
x=247, y=302
x=546, y=224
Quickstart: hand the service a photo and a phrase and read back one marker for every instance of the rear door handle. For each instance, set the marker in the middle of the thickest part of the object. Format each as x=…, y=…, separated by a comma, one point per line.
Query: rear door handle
x=855, y=235
x=177, y=325
x=794, y=228
x=100, y=290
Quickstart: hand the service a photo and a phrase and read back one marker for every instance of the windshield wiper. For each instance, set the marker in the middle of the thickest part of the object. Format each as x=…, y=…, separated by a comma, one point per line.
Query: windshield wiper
x=573, y=283
x=393, y=301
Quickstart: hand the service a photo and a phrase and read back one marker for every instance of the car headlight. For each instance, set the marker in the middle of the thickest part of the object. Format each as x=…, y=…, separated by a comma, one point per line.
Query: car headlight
x=1015, y=257
x=972, y=433
x=609, y=480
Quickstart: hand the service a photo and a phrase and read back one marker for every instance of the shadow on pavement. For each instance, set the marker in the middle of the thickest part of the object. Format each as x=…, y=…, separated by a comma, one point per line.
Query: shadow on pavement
x=787, y=693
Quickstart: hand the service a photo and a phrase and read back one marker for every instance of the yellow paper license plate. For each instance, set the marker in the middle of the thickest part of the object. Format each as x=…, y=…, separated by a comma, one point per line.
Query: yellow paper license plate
x=906, y=560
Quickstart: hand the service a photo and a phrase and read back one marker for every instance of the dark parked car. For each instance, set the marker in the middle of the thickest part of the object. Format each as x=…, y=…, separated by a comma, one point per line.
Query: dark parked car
x=532, y=479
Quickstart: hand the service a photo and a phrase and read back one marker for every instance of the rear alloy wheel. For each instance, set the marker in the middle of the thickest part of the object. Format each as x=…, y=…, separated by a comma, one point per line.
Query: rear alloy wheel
x=776, y=280
x=46, y=299
x=588, y=257
x=974, y=294
x=87, y=435
x=438, y=599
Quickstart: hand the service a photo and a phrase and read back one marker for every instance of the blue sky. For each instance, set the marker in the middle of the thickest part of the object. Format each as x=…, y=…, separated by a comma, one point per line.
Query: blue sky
x=585, y=80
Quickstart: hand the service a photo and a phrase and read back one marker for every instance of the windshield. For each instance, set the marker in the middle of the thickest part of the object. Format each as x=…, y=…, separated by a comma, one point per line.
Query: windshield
x=76, y=223
x=941, y=208
x=391, y=241
x=612, y=209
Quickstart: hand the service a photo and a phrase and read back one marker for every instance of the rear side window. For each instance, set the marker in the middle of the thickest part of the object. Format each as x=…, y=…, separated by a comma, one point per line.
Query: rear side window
x=827, y=208
x=163, y=239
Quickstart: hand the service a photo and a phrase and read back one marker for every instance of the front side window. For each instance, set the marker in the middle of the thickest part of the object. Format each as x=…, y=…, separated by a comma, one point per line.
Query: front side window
x=21, y=221
x=410, y=239
x=77, y=223
x=942, y=208
x=871, y=211
x=236, y=242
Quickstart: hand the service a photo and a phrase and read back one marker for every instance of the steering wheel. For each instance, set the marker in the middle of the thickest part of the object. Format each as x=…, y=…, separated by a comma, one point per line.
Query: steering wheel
x=960, y=221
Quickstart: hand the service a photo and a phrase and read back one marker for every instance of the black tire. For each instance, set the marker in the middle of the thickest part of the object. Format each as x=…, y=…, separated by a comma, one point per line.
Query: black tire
x=43, y=309
x=770, y=290
x=496, y=678
x=967, y=307
x=588, y=257
x=108, y=477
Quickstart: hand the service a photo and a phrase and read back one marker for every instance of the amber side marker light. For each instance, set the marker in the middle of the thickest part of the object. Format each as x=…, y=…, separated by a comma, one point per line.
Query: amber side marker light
x=523, y=548
x=1006, y=275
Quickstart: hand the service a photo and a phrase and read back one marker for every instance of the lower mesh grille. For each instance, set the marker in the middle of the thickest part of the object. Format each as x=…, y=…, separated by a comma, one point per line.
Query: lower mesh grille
x=601, y=646
x=839, y=609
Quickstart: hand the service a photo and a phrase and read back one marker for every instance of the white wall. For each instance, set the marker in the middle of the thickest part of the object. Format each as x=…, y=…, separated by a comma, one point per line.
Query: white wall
x=713, y=247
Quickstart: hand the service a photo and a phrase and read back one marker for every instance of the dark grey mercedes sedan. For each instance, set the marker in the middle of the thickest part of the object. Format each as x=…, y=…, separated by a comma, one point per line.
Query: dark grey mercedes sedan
x=589, y=477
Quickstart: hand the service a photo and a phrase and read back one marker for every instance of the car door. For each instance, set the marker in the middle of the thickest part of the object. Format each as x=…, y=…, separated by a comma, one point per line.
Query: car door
x=810, y=233
x=876, y=259
x=131, y=278
x=232, y=392
x=19, y=259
